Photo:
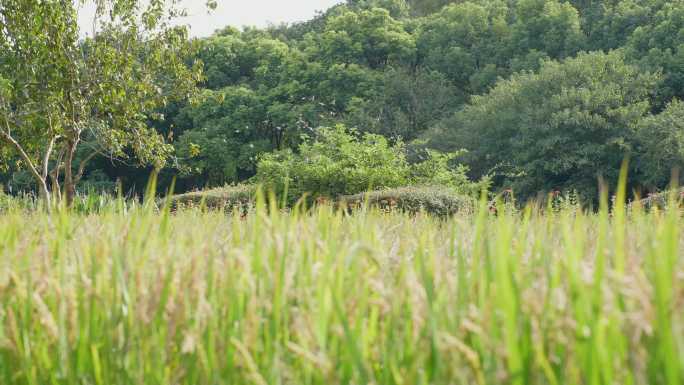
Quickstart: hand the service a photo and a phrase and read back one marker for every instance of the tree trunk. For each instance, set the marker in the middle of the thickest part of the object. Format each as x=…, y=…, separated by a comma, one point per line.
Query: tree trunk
x=56, y=189
x=45, y=193
x=69, y=181
x=54, y=176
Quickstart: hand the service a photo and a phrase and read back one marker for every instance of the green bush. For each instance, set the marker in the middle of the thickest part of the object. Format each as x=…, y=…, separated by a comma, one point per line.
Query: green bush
x=439, y=201
x=340, y=162
x=228, y=198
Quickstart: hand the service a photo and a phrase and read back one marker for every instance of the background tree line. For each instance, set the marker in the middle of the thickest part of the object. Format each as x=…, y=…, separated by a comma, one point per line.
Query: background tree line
x=542, y=94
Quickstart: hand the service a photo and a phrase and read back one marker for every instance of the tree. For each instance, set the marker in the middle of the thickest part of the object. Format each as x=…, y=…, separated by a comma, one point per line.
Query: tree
x=225, y=60
x=60, y=93
x=659, y=46
x=426, y=7
x=660, y=147
x=560, y=128
x=398, y=9
x=406, y=104
x=264, y=95
x=548, y=26
x=608, y=24
x=468, y=42
x=476, y=42
x=370, y=37
x=227, y=130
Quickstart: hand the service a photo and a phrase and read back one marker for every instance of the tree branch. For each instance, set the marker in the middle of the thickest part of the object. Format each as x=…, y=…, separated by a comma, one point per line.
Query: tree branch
x=8, y=137
x=58, y=165
x=46, y=157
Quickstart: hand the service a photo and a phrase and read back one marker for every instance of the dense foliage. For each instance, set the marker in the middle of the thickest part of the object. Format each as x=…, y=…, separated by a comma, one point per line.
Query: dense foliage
x=544, y=94
x=559, y=127
x=60, y=93
x=339, y=163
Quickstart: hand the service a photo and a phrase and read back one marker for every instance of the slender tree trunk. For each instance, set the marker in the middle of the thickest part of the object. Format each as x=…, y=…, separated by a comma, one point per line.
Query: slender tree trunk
x=45, y=194
x=56, y=189
x=54, y=176
x=69, y=180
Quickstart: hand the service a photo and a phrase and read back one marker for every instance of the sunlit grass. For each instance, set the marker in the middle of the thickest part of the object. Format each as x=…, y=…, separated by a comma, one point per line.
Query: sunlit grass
x=137, y=296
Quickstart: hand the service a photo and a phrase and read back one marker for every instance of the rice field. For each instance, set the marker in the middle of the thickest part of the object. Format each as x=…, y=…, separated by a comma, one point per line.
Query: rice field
x=133, y=295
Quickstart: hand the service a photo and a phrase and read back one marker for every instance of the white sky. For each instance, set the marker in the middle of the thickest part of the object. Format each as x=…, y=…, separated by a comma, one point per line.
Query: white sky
x=237, y=13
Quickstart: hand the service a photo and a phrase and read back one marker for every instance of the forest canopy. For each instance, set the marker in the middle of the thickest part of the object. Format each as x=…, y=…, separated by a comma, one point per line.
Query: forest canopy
x=535, y=95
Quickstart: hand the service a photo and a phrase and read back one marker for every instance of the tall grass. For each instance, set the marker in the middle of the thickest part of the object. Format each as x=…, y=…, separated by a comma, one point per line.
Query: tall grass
x=131, y=295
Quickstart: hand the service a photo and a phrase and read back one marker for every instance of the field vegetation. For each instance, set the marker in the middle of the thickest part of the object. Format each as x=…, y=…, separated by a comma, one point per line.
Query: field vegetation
x=437, y=210
x=126, y=293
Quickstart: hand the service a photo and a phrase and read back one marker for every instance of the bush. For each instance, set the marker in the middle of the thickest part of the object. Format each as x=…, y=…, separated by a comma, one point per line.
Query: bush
x=439, y=201
x=340, y=162
x=228, y=198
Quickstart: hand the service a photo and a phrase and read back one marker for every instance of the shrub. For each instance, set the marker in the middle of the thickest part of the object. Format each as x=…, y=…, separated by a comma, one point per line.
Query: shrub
x=436, y=200
x=340, y=162
x=435, y=170
x=226, y=198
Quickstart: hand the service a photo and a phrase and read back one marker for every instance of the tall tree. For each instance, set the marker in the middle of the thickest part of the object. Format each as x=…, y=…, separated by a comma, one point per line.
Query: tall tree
x=661, y=145
x=407, y=104
x=370, y=37
x=468, y=42
x=559, y=128
x=549, y=26
x=426, y=7
x=60, y=92
x=659, y=46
